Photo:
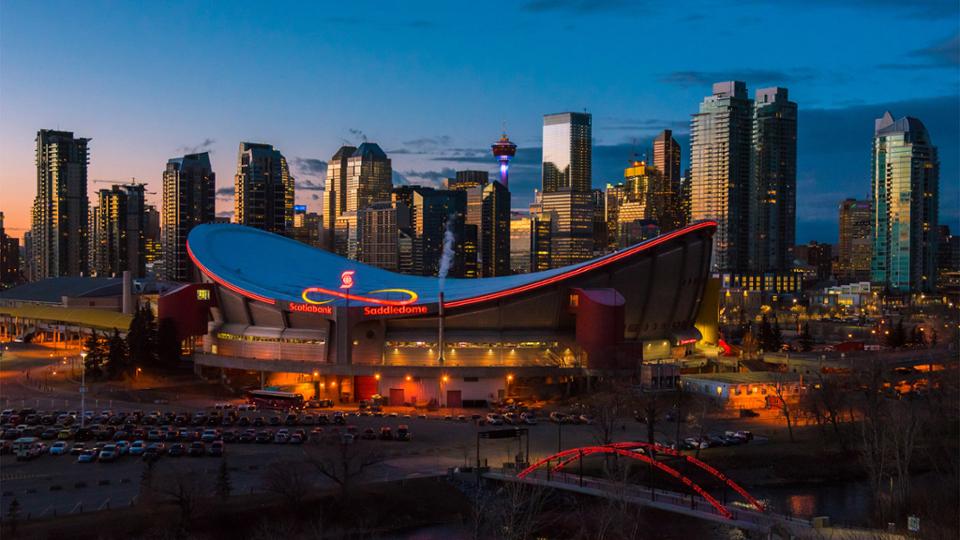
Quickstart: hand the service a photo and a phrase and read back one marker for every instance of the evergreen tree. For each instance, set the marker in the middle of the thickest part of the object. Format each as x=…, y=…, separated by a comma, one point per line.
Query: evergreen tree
x=168, y=346
x=13, y=516
x=805, y=339
x=776, y=336
x=117, y=359
x=224, y=486
x=933, y=337
x=765, y=336
x=142, y=337
x=96, y=355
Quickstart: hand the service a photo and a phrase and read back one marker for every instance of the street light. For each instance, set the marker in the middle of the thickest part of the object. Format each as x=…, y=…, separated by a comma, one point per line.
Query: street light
x=83, y=388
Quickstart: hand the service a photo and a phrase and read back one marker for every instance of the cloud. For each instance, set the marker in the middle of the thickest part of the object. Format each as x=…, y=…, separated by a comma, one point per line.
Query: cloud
x=945, y=52
x=653, y=124
x=581, y=6
x=315, y=197
x=225, y=191
x=752, y=76
x=225, y=214
x=429, y=178
x=204, y=146
x=919, y=9
x=355, y=135
x=308, y=185
x=426, y=145
x=311, y=173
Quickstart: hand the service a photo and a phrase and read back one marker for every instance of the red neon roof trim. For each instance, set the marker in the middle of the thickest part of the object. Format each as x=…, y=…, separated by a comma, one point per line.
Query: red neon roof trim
x=232, y=287
x=580, y=270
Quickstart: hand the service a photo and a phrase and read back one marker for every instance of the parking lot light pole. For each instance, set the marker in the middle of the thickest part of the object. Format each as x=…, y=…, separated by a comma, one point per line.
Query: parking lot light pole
x=83, y=387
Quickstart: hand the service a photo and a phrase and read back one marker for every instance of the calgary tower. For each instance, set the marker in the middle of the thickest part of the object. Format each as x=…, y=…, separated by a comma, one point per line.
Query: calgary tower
x=504, y=150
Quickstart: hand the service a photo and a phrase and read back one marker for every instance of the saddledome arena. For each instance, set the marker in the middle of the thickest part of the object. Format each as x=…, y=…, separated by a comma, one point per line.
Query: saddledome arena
x=293, y=314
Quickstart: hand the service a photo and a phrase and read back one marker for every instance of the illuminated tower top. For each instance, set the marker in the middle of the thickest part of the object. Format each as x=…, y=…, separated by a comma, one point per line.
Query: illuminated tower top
x=504, y=150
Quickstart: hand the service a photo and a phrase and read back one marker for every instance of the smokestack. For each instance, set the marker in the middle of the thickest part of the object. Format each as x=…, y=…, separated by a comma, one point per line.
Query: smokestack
x=440, y=332
x=127, y=302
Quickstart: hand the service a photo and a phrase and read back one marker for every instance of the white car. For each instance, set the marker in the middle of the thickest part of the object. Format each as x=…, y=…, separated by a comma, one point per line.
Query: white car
x=494, y=419
x=59, y=448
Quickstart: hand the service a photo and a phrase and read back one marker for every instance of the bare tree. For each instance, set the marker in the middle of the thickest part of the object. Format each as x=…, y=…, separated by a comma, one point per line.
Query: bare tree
x=516, y=512
x=342, y=462
x=288, y=480
x=185, y=488
x=780, y=391
x=608, y=407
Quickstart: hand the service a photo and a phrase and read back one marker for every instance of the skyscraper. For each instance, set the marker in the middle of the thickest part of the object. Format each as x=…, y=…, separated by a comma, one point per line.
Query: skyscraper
x=494, y=231
x=855, y=249
x=334, y=197
x=369, y=177
x=379, y=226
x=666, y=158
x=720, y=137
x=567, y=152
x=264, y=189
x=118, y=239
x=189, y=198
x=905, y=192
x=434, y=215
x=519, y=243
x=306, y=226
x=357, y=181
x=9, y=258
x=59, y=228
x=488, y=213
x=773, y=182
x=567, y=196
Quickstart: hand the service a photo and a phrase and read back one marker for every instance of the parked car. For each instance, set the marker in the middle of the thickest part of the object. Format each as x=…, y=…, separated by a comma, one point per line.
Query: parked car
x=386, y=434
x=137, y=448
x=58, y=448
x=197, y=449
x=108, y=453
x=263, y=437
x=77, y=449
x=216, y=449
x=87, y=456
x=403, y=433
x=176, y=450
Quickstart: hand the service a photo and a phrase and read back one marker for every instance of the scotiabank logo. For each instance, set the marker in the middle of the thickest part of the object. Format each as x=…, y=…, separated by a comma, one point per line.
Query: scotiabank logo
x=394, y=310
x=311, y=308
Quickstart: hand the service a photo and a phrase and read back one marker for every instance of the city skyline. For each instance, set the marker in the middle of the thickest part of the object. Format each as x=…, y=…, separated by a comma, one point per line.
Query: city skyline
x=430, y=133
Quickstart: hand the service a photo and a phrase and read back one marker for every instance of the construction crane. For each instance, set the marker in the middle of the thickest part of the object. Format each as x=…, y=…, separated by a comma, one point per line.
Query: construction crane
x=132, y=182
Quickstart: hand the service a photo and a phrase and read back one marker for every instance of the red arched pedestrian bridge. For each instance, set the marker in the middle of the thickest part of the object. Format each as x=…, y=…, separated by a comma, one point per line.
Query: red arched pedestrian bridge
x=564, y=470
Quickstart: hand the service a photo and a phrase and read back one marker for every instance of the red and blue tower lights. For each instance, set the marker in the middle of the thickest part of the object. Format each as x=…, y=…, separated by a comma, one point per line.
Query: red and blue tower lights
x=504, y=150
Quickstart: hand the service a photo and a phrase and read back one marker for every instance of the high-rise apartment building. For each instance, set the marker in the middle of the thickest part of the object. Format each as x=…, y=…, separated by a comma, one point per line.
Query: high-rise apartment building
x=379, y=229
x=468, y=179
x=720, y=150
x=264, y=188
x=189, y=198
x=905, y=192
x=151, y=235
x=59, y=221
x=118, y=233
x=855, y=249
x=773, y=182
x=567, y=196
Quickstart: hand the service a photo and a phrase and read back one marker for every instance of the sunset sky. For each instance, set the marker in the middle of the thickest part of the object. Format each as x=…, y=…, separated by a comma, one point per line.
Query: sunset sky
x=434, y=82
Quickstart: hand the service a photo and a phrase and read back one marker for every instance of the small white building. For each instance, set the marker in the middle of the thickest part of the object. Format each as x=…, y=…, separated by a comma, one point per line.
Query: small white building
x=745, y=390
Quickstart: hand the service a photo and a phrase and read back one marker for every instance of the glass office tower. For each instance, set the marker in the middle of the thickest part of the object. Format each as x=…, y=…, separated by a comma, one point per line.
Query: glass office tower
x=905, y=193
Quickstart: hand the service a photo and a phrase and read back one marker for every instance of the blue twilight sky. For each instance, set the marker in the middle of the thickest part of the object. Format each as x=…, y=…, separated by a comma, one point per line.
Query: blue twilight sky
x=433, y=82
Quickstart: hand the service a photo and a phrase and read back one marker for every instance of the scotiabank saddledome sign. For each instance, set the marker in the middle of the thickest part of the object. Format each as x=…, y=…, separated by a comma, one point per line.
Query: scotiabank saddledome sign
x=387, y=302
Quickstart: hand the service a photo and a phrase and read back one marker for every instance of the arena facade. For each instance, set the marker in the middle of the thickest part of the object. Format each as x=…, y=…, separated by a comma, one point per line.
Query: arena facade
x=296, y=314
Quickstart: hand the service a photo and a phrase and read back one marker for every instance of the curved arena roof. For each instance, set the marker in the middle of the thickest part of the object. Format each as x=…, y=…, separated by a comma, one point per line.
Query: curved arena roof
x=271, y=268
